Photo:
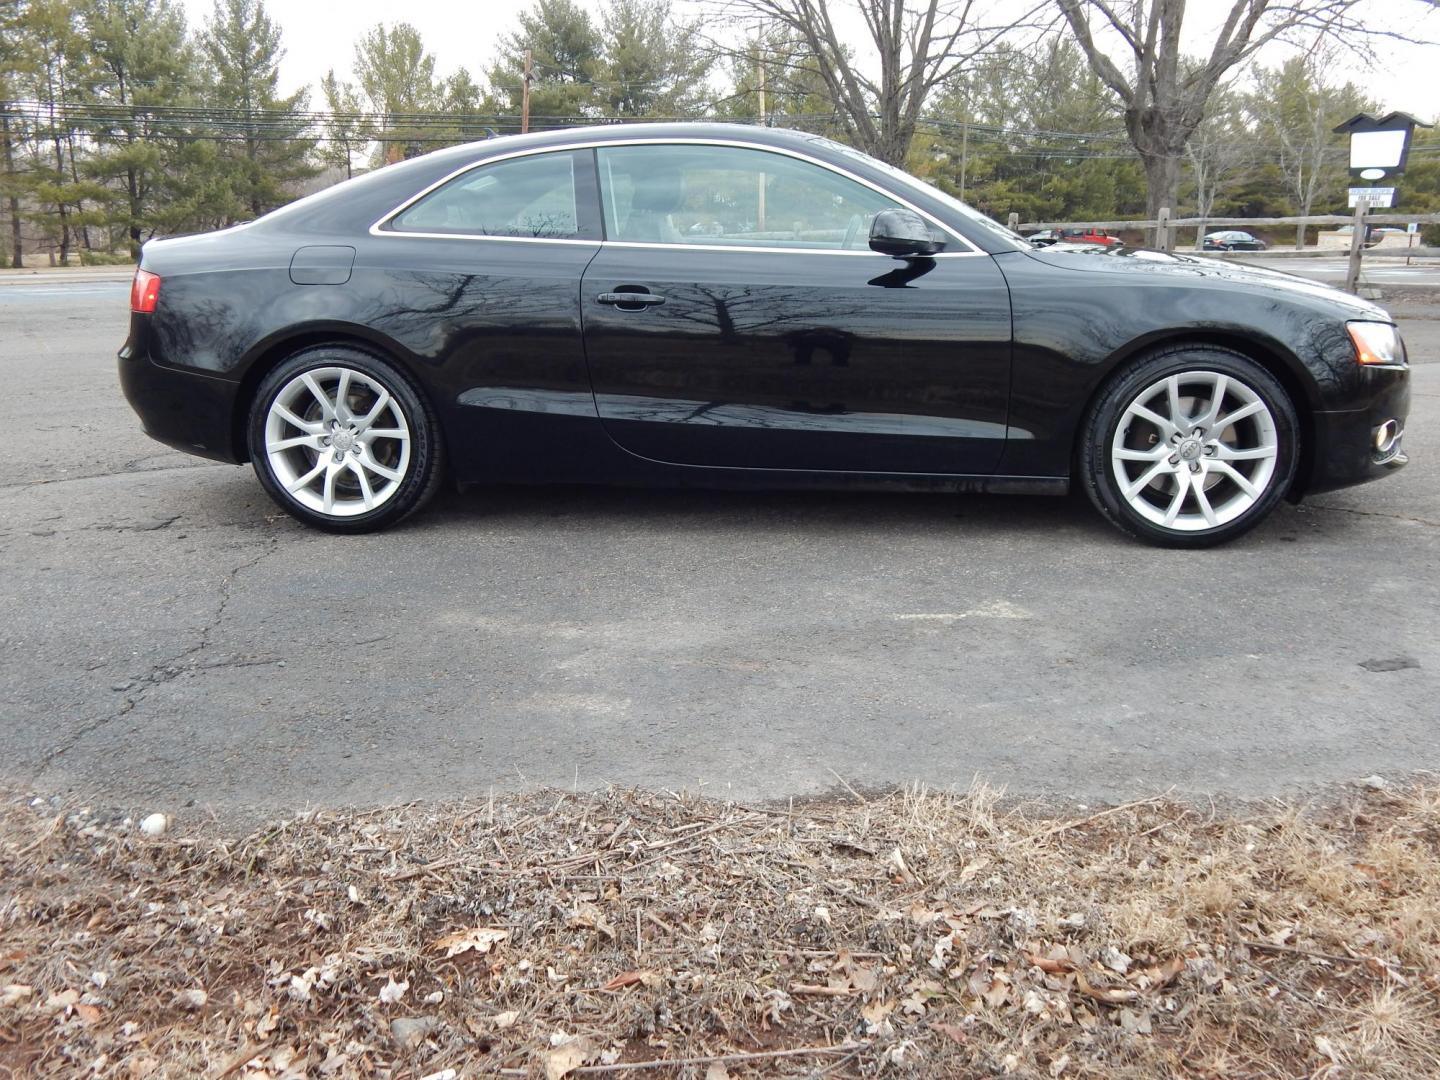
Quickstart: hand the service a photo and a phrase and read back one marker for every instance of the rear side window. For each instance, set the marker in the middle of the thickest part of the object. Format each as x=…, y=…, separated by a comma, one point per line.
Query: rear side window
x=531, y=197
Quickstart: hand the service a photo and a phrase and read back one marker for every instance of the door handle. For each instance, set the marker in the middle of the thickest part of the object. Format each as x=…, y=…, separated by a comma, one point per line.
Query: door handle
x=641, y=299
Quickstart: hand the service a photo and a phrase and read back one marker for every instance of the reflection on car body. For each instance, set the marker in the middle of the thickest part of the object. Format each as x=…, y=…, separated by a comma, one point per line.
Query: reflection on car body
x=702, y=304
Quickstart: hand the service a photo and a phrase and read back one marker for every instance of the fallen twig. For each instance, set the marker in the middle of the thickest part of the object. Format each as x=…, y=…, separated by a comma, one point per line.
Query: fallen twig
x=713, y=1059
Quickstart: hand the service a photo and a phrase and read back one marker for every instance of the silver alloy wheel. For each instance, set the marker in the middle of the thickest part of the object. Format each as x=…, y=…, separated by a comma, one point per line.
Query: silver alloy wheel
x=337, y=441
x=1194, y=450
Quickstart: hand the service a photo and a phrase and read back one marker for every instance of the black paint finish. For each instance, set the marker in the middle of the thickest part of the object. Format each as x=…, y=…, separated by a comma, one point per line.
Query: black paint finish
x=970, y=370
x=775, y=360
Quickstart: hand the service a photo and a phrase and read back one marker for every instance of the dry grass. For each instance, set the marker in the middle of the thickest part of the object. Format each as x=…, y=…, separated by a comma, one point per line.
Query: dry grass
x=643, y=934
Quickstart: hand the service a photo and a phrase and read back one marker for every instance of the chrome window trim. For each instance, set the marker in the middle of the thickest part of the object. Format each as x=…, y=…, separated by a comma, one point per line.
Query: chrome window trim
x=377, y=229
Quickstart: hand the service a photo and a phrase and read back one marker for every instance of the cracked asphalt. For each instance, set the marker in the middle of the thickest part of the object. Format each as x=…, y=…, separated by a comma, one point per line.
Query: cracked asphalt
x=170, y=639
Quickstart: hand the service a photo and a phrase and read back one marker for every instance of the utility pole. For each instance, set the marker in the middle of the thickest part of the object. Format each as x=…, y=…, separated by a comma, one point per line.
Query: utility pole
x=964, y=155
x=525, y=94
x=764, y=122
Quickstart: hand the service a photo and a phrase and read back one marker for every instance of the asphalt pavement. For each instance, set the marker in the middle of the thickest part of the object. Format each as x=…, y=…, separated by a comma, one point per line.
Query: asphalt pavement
x=1388, y=272
x=170, y=637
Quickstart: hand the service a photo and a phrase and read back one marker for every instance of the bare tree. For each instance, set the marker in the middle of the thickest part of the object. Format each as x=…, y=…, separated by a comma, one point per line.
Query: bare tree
x=1165, y=98
x=1220, y=151
x=1295, y=110
x=917, y=45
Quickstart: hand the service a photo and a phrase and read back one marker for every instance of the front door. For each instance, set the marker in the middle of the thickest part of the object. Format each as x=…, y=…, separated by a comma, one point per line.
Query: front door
x=736, y=317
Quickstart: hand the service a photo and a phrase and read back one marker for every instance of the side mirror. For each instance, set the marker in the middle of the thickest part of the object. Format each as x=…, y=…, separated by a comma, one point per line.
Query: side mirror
x=903, y=234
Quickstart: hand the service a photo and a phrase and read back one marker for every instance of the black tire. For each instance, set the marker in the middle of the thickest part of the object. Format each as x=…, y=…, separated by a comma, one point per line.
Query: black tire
x=1096, y=469
x=420, y=468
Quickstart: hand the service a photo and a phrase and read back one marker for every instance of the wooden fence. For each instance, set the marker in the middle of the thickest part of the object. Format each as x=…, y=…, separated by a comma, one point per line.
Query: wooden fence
x=1164, y=228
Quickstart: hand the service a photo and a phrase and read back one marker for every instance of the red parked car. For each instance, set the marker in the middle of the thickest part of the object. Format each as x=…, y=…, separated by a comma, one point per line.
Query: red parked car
x=1047, y=237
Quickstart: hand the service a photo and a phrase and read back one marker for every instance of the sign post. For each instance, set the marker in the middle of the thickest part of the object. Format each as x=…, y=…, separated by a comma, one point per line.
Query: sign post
x=1357, y=245
x=1379, y=146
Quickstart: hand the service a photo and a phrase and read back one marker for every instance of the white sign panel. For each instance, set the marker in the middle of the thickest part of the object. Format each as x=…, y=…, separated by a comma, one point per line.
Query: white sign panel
x=1373, y=196
x=1376, y=149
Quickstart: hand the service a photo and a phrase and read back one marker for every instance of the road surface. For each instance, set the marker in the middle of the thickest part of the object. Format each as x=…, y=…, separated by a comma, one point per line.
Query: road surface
x=170, y=637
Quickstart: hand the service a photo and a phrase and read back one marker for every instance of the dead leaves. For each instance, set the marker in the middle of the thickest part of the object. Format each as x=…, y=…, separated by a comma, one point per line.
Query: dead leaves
x=590, y=917
x=13, y=994
x=479, y=939
x=648, y=979
x=688, y=930
x=563, y=1059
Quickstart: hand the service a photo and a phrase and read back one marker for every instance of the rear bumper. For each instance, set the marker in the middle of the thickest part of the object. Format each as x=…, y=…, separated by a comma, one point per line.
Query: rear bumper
x=1356, y=446
x=184, y=409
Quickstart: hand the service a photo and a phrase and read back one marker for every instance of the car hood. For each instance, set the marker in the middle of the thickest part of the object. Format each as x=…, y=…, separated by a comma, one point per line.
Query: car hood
x=1142, y=262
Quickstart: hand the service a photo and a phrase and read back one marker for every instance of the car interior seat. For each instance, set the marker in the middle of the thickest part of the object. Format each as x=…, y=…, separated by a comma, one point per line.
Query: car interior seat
x=653, y=200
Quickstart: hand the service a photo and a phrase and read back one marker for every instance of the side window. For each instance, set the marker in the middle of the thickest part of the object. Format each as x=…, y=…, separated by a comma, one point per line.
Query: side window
x=732, y=196
x=526, y=196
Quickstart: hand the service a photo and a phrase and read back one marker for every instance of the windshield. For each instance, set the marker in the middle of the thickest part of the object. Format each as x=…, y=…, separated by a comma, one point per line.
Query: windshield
x=969, y=213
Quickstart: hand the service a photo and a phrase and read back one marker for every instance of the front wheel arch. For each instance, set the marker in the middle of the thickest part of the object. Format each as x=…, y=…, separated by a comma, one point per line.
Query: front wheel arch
x=1282, y=368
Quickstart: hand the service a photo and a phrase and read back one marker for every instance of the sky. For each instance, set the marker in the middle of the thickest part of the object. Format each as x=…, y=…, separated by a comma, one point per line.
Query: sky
x=321, y=34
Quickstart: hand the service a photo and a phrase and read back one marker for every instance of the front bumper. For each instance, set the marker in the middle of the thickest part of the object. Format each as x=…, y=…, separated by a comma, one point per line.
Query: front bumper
x=1358, y=445
x=184, y=409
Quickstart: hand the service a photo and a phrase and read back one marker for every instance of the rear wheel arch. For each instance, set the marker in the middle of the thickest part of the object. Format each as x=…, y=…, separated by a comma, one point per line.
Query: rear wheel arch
x=1282, y=365
x=272, y=354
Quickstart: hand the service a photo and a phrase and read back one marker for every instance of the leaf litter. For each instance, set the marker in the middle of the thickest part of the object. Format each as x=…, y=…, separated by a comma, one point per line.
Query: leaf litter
x=629, y=933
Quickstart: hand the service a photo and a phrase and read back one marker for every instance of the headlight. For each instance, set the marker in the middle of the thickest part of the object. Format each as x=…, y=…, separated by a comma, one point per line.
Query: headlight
x=1377, y=343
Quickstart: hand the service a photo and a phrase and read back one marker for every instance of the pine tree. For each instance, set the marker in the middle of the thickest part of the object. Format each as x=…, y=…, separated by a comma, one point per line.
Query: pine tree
x=347, y=129
x=653, y=63
x=397, y=75
x=567, y=56
x=13, y=65
x=265, y=152
x=57, y=62
x=146, y=70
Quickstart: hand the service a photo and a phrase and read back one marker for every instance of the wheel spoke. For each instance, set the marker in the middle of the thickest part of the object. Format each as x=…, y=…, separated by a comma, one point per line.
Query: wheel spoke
x=312, y=441
x=309, y=478
x=368, y=460
x=327, y=408
x=1197, y=484
x=1241, y=480
x=332, y=471
x=1239, y=414
x=381, y=404
x=1182, y=488
x=387, y=433
x=1146, y=478
x=1217, y=401
x=367, y=493
x=1225, y=452
x=1165, y=426
x=296, y=422
x=342, y=394
x=1177, y=415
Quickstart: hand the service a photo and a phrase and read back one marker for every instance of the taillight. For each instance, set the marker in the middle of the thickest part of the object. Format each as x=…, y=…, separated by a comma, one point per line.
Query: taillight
x=144, y=292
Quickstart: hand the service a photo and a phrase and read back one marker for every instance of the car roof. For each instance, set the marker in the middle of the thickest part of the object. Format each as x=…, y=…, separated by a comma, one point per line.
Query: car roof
x=356, y=203
x=649, y=130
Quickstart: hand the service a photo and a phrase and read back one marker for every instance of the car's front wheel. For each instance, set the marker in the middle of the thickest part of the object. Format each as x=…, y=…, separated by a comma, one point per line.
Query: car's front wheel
x=1190, y=447
x=343, y=441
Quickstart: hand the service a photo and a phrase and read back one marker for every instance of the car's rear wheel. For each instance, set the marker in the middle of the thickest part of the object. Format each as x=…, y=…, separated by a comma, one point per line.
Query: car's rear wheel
x=343, y=441
x=1190, y=447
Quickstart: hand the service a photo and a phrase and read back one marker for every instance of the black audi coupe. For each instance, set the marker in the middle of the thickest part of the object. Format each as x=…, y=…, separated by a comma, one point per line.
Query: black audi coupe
x=706, y=304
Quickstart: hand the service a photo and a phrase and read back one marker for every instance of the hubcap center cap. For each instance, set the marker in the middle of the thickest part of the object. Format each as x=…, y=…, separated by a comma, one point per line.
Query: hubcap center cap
x=343, y=441
x=1190, y=450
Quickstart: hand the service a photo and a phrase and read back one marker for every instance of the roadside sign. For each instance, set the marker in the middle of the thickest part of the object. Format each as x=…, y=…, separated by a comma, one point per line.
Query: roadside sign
x=1373, y=196
x=1413, y=227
